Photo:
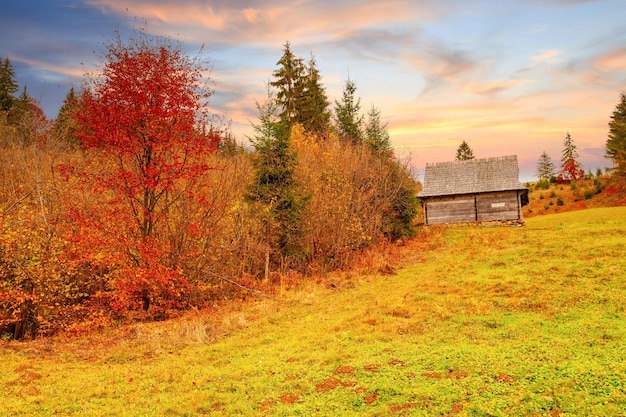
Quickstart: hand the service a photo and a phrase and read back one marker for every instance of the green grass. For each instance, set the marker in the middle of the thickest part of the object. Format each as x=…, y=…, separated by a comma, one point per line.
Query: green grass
x=481, y=321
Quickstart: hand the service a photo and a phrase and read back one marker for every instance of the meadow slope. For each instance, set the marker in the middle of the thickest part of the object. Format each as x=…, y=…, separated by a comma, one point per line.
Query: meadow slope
x=480, y=321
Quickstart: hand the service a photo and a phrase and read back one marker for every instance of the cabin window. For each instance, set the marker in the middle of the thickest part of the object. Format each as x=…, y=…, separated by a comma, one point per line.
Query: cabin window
x=498, y=205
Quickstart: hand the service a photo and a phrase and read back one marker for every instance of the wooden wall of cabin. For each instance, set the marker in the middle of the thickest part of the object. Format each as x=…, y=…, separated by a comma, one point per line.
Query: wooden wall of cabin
x=450, y=209
x=502, y=205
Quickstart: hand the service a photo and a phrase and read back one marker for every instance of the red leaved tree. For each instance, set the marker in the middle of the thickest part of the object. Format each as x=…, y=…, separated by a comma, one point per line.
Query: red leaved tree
x=570, y=171
x=145, y=125
x=570, y=168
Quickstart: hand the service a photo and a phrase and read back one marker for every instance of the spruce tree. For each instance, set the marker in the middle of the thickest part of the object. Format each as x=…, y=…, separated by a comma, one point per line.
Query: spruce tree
x=545, y=167
x=464, y=152
x=616, y=142
x=65, y=126
x=8, y=86
x=570, y=150
x=348, y=120
x=376, y=134
x=314, y=113
x=570, y=167
x=274, y=186
x=289, y=82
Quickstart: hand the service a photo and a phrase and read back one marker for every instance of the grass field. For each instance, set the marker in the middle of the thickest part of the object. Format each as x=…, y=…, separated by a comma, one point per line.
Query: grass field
x=475, y=321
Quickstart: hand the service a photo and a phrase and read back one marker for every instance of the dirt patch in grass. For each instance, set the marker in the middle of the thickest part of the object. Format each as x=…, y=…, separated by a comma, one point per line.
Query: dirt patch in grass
x=457, y=408
x=370, y=398
x=327, y=385
x=344, y=370
x=266, y=405
x=396, y=408
x=504, y=378
x=396, y=362
x=289, y=398
x=372, y=367
x=349, y=384
x=456, y=375
x=432, y=375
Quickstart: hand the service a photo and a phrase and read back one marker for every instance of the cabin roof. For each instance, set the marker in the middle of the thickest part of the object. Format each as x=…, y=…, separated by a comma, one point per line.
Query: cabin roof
x=471, y=176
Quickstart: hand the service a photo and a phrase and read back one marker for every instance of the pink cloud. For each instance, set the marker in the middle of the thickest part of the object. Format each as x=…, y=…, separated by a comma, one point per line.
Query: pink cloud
x=612, y=61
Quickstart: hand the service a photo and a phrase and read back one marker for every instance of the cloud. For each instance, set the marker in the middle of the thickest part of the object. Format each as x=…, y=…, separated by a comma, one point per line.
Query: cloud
x=72, y=71
x=268, y=22
x=545, y=56
x=611, y=61
x=497, y=86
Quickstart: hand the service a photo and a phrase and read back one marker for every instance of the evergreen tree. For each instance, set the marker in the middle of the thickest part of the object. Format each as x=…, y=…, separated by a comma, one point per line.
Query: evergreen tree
x=464, y=152
x=616, y=143
x=289, y=81
x=398, y=218
x=314, y=113
x=545, y=167
x=21, y=106
x=570, y=150
x=376, y=134
x=348, y=120
x=8, y=86
x=65, y=126
x=570, y=168
x=274, y=186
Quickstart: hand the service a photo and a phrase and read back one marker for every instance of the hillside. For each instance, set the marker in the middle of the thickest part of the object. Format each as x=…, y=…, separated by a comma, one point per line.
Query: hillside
x=469, y=321
x=559, y=198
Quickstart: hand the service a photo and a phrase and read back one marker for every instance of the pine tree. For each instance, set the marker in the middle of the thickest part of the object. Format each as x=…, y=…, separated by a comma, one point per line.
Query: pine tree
x=570, y=168
x=274, y=186
x=376, y=134
x=289, y=81
x=8, y=86
x=21, y=106
x=314, y=113
x=545, y=167
x=65, y=127
x=570, y=150
x=348, y=120
x=464, y=152
x=398, y=218
x=616, y=142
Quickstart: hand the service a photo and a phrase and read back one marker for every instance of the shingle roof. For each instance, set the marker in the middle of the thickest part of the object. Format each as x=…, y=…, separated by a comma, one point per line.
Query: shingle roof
x=471, y=176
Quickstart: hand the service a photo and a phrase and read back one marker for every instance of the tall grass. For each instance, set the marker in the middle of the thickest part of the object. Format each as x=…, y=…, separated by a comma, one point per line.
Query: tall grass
x=476, y=321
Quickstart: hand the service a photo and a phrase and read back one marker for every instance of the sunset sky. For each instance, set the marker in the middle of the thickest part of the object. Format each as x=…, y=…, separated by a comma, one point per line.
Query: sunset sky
x=508, y=77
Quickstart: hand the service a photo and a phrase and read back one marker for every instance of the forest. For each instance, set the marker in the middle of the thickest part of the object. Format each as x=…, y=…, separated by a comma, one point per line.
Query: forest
x=136, y=203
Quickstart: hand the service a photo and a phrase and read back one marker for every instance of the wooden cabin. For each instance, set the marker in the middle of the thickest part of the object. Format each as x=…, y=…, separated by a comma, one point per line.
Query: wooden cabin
x=476, y=190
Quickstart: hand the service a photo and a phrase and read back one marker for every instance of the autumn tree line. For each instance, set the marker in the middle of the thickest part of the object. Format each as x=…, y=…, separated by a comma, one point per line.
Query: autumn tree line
x=136, y=203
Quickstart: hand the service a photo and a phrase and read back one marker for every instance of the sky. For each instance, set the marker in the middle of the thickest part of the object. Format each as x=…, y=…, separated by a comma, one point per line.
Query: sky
x=511, y=77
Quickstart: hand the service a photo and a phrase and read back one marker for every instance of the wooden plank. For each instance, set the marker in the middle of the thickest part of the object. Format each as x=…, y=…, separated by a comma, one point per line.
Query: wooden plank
x=453, y=209
x=498, y=206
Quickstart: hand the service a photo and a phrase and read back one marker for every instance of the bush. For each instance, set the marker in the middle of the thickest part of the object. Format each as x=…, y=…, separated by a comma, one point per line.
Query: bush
x=542, y=185
x=559, y=201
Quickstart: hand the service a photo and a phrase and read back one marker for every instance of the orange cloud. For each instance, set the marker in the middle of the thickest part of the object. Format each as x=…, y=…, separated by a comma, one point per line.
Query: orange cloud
x=611, y=61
